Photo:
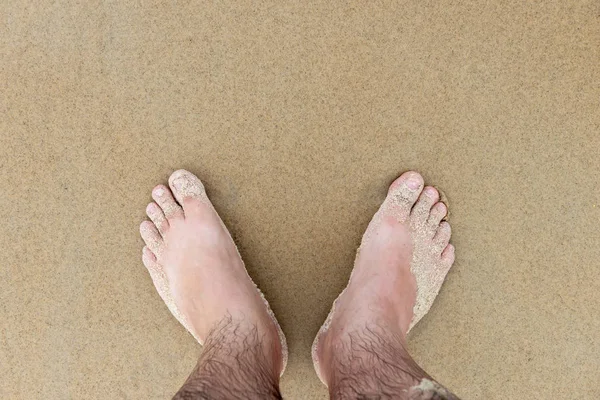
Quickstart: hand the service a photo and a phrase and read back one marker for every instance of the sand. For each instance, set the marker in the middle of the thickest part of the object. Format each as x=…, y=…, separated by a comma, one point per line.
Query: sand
x=297, y=116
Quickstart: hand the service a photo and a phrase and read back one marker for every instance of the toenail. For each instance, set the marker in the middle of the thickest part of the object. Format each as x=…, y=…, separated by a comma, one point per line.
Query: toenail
x=430, y=192
x=178, y=183
x=159, y=191
x=413, y=183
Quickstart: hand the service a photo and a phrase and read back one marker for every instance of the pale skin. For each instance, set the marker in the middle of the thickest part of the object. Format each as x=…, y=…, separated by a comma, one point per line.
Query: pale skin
x=361, y=353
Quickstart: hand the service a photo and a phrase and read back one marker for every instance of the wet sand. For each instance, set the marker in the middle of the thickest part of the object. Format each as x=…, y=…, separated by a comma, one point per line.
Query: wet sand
x=297, y=117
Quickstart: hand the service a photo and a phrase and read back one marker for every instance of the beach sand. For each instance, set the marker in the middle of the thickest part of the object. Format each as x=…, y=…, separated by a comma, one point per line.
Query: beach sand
x=297, y=117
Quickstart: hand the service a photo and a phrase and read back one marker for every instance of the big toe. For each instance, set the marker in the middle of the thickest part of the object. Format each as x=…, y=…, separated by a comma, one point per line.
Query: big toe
x=187, y=188
x=403, y=194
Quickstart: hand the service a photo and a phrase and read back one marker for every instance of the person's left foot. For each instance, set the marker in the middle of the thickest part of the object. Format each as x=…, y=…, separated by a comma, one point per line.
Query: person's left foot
x=196, y=268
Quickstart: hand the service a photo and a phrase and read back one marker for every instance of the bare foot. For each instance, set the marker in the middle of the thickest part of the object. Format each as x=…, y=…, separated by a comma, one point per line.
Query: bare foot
x=197, y=269
x=399, y=269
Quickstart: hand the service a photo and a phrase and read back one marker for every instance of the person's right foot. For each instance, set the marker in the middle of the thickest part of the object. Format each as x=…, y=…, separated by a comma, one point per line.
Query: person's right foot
x=399, y=269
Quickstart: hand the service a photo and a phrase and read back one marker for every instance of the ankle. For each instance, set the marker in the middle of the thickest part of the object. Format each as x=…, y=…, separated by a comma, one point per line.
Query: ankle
x=258, y=342
x=364, y=354
x=236, y=361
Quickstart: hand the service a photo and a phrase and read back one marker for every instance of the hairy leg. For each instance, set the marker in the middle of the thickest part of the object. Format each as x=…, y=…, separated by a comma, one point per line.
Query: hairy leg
x=360, y=351
x=373, y=363
x=233, y=365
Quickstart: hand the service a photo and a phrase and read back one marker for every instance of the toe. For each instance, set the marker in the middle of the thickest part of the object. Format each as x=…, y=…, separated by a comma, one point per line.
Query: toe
x=442, y=236
x=156, y=274
x=156, y=215
x=403, y=193
x=163, y=197
x=448, y=256
x=186, y=187
x=420, y=212
x=437, y=214
x=151, y=237
x=148, y=258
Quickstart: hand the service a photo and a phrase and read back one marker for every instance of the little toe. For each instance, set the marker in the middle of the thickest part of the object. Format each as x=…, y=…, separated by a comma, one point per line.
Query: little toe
x=420, y=212
x=187, y=188
x=437, y=214
x=157, y=275
x=148, y=258
x=448, y=256
x=442, y=236
x=151, y=237
x=403, y=193
x=156, y=215
x=163, y=197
